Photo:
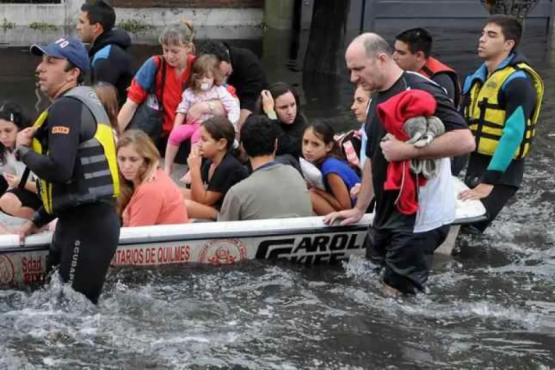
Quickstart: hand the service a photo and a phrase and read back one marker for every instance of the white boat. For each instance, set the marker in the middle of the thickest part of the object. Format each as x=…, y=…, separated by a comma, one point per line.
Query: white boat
x=300, y=240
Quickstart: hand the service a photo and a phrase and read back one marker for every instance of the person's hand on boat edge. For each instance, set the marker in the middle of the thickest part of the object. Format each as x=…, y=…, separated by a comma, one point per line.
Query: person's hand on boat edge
x=27, y=229
x=479, y=192
x=349, y=216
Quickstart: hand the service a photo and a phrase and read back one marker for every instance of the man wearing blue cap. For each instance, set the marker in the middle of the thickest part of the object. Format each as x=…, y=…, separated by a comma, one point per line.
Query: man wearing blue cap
x=71, y=149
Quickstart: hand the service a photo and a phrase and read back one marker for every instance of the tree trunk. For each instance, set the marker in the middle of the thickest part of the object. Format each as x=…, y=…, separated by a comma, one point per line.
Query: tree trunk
x=327, y=34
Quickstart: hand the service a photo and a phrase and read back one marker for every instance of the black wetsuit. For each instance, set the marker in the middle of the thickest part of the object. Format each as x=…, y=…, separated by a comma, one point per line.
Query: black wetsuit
x=87, y=233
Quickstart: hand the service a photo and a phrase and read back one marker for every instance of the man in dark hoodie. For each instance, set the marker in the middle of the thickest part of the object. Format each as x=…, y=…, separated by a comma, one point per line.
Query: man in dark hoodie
x=110, y=61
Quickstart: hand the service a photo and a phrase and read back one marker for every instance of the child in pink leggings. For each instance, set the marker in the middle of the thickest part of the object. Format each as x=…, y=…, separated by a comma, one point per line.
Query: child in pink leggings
x=205, y=86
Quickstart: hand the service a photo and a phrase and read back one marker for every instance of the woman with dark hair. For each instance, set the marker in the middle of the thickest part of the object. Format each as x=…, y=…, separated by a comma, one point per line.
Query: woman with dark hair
x=280, y=103
x=19, y=200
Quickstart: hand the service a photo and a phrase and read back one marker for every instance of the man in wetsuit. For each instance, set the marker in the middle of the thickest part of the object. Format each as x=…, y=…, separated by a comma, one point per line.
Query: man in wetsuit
x=502, y=102
x=110, y=60
x=402, y=244
x=71, y=149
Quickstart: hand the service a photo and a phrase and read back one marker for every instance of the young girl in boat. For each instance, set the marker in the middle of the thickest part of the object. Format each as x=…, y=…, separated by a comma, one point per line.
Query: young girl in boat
x=320, y=148
x=146, y=199
x=19, y=200
x=212, y=177
x=206, y=86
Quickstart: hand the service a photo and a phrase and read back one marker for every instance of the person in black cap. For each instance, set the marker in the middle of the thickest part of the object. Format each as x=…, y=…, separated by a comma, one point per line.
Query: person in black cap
x=71, y=149
x=110, y=60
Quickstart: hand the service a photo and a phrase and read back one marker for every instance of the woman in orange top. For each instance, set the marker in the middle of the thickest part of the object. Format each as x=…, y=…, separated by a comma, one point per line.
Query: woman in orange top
x=178, y=53
x=141, y=202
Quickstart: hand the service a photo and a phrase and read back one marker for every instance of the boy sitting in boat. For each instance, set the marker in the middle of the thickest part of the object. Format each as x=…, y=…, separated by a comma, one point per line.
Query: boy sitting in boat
x=273, y=190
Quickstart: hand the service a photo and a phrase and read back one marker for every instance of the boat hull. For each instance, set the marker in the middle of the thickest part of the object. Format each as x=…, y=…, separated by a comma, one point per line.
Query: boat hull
x=307, y=241
x=301, y=240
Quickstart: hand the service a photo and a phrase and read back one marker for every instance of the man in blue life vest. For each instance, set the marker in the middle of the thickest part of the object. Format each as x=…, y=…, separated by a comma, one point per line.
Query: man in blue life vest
x=71, y=149
x=502, y=102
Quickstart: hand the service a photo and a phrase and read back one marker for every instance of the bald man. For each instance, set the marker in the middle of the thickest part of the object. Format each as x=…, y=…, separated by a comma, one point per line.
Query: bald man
x=403, y=245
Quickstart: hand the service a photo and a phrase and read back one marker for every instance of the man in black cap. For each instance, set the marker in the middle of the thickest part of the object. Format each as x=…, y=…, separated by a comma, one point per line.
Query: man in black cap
x=71, y=149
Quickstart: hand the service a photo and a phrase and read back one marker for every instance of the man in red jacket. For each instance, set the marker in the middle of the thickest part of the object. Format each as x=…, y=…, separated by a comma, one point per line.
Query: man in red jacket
x=403, y=245
x=413, y=50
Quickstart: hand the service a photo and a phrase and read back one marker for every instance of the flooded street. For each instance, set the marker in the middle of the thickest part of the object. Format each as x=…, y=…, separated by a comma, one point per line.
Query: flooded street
x=490, y=306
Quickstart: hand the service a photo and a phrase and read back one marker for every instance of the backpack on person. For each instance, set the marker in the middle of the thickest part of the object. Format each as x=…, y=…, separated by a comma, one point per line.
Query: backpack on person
x=149, y=116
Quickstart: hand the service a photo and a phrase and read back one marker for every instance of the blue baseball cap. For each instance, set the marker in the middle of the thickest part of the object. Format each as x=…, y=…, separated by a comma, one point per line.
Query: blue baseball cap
x=68, y=48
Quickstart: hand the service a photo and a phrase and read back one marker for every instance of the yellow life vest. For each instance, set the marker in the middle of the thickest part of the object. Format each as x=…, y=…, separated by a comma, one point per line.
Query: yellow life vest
x=487, y=119
x=99, y=177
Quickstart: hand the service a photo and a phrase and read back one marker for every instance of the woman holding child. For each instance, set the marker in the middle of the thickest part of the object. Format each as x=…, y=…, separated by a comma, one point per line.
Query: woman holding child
x=206, y=86
x=177, y=60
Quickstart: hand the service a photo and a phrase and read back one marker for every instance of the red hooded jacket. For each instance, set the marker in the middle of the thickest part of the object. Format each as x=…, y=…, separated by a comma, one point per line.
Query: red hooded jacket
x=393, y=114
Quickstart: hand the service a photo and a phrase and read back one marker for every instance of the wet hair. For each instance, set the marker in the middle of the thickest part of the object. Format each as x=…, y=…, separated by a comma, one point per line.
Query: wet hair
x=100, y=11
x=216, y=48
x=109, y=97
x=258, y=136
x=82, y=74
x=511, y=28
x=220, y=127
x=12, y=112
x=178, y=34
x=202, y=66
x=144, y=146
x=276, y=90
x=323, y=129
x=417, y=39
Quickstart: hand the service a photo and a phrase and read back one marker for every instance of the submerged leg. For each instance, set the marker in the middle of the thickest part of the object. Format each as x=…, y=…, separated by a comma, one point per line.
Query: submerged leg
x=87, y=237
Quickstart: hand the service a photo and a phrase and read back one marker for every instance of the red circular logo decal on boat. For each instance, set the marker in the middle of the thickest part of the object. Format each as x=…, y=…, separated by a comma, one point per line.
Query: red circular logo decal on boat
x=6, y=270
x=223, y=251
